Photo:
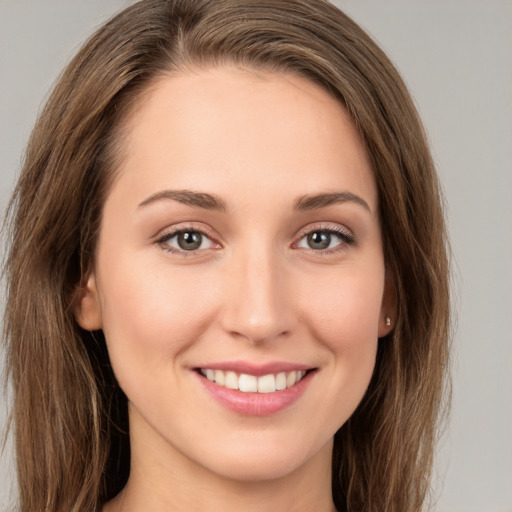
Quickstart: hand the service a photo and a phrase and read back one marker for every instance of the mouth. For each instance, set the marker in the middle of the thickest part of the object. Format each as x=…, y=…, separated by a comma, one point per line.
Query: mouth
x=247, y=383
x=256, y=391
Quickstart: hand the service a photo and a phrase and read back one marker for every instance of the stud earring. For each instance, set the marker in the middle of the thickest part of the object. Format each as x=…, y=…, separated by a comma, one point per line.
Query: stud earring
x=388, y=321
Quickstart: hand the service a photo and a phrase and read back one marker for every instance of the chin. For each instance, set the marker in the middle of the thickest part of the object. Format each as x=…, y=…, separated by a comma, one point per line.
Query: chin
x=264, y=461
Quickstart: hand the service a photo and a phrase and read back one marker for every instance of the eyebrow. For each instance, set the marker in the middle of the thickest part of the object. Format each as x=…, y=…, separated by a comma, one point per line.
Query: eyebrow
x=188, y=197
x=213, y=202
x=316, y=201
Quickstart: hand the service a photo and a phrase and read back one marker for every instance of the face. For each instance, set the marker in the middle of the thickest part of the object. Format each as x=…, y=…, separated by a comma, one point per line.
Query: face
x=240, y=247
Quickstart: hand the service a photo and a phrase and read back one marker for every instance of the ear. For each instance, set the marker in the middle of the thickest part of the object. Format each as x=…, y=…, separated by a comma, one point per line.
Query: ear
x=87, y=306
x=388, y=311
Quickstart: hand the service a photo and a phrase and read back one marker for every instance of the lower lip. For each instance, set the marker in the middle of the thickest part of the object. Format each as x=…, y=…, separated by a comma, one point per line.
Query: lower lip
x=256, y=404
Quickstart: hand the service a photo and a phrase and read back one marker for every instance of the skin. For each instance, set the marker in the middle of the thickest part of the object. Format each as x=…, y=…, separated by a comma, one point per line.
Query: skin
x=255, y=290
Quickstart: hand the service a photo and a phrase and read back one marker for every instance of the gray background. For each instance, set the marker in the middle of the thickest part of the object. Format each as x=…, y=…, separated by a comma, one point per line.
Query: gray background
x=456, y=56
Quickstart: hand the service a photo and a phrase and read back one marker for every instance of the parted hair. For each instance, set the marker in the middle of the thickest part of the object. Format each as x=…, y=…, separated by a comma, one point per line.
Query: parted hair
x=69, y=416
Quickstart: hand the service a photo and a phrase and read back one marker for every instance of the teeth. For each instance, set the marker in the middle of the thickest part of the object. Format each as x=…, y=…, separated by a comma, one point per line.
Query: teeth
x=266, y=384
x=247, y=383
x=252, y=384
x=220, y=377
x=231, y=380
x=280, y=381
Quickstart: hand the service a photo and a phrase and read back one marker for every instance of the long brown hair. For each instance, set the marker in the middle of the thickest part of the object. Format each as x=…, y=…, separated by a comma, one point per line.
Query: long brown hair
x=69, y=415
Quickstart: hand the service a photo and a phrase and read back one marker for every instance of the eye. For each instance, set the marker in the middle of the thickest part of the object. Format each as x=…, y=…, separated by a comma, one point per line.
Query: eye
x=186, y=240
x=325, y=239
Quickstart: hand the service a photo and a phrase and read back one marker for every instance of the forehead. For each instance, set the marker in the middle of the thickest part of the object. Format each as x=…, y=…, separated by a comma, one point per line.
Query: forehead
x=225, y=129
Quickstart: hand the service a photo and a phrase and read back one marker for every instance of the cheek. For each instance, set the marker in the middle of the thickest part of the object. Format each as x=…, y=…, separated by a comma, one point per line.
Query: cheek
x=343, y=315
x=345, y=308
x=151, y=314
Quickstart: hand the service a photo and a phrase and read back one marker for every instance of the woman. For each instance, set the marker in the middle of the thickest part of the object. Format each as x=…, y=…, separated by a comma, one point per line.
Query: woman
x=227, y=278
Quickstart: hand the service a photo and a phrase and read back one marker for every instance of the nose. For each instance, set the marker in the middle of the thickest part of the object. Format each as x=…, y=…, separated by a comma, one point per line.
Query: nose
x=257, y=304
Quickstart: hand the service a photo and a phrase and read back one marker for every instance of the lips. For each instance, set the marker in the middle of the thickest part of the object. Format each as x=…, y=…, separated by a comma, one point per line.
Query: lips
x=254, y=390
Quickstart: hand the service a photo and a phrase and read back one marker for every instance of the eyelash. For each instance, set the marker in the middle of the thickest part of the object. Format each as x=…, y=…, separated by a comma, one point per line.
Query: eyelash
x=346, y=239
x=187, y=229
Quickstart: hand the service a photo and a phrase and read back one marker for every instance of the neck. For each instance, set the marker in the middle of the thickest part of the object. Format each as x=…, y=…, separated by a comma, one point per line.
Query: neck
x=166, y=480
x=294, y=495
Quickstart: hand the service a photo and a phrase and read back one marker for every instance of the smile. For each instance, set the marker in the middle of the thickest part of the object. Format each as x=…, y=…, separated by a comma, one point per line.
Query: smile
x=253, y=390
x=251, y=383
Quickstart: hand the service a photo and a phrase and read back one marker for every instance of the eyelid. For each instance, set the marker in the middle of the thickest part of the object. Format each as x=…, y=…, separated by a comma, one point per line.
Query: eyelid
x=344, y=233
x=174, y=230
x=346, y=236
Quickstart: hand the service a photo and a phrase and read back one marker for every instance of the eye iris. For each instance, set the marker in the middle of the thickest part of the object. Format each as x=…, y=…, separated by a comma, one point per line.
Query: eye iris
x=189, y=241
x=319, y=240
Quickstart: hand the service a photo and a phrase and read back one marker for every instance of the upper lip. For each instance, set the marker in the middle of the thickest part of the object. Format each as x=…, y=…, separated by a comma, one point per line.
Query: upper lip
x=255, y=369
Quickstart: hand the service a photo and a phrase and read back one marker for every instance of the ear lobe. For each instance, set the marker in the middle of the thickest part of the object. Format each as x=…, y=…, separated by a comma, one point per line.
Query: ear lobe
x=87, y=306
x=388, y=311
